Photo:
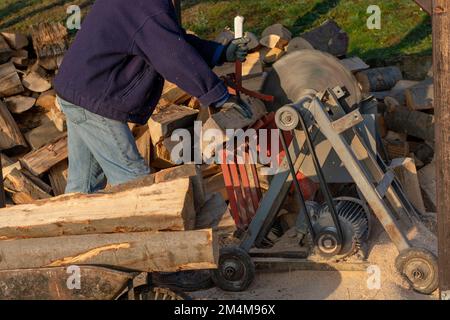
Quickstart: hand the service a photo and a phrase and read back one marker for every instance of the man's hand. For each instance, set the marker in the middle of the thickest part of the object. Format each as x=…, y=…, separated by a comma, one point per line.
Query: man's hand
x=237, y=50
x=241, y=106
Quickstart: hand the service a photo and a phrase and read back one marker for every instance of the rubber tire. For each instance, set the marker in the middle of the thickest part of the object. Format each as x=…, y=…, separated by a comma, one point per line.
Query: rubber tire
x=240, y=255
x=419, y=253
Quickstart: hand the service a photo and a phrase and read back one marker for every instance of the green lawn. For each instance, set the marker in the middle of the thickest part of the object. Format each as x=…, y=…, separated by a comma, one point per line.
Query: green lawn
x=405, y=29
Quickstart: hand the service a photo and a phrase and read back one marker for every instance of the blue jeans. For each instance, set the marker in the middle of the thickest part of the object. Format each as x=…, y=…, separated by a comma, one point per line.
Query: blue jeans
x=100, y=150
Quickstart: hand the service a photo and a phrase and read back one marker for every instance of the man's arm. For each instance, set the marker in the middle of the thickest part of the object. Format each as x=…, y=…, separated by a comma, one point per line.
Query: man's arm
x=211, y=51
x=166, y=45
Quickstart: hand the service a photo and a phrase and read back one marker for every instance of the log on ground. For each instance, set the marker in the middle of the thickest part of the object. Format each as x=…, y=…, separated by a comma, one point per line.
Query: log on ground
x=143, y=251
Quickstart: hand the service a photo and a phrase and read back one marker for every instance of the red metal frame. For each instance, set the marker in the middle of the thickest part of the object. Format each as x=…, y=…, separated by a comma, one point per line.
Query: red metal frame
x=242, y=181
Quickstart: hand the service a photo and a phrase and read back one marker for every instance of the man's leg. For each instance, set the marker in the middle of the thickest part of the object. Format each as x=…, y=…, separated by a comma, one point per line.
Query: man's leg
x=85, y=174
x=110, y=142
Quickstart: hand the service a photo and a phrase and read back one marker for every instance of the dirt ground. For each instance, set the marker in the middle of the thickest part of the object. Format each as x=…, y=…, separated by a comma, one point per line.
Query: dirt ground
x=331, y=285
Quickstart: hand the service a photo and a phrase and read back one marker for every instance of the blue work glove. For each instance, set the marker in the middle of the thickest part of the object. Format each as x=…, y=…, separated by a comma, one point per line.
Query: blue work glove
x=237, y=50
x=240, y=105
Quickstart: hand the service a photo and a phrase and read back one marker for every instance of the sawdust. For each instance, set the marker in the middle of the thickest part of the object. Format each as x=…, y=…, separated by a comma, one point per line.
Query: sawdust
x=332, y=285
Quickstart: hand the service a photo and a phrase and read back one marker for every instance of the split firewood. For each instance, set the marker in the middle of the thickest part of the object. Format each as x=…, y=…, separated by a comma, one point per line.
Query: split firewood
x=47, y=100
x=162, y=154
x=41, y=160
x=139, y=251
x=379, y=79
x=398, y=92
x=172, y=94
x=274, y=41
x=50, y=41
x=163, y=123
x=58, y=118
x=420, y=96
x=20, y=58
x=328, y=37
x=298, y=43
x=16, y=41
x=427, y=178
x=58, y=175
x=190, y=171
x=165, y=206
x=216, y=184
x=414, y=123
x=41, y=135
x=229, y=118
x=252, y=65
x=397, y=149
x=19, y=104
x=9, y=165
x=36, y=180
x=10, y=135
x=36, y=82
x=272, y=55
x=22, y=189
x=143, y=142
x=5, y=50
x=408, y=177
x=10, y=83
x=279, y=30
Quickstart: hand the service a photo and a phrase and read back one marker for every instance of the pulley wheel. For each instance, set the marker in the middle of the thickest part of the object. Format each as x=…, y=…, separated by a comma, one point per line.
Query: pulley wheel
x=419, y=267
x=327, y=242
x=236, y=270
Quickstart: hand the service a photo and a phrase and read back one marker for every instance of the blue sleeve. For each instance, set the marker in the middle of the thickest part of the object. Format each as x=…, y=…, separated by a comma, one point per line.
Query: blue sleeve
x=210, y=51
x=167, y=48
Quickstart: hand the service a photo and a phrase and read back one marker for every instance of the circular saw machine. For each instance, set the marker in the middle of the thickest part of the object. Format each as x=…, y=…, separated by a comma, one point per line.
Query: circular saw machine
x=318, y=101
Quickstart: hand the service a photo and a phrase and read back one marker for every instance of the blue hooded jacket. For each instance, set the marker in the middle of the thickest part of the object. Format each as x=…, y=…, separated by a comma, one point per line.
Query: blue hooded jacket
x=125, y=49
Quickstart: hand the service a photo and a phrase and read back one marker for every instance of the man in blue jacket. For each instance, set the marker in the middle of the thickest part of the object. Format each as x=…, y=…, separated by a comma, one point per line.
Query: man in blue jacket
x=114, y=73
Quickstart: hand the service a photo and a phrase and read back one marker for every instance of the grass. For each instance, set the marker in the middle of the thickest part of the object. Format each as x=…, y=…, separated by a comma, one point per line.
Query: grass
x=406, y=30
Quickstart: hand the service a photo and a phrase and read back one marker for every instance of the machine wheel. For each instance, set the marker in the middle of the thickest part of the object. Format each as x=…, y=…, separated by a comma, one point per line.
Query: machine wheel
x=287, y=118
x=419, y=266
x=236, y=270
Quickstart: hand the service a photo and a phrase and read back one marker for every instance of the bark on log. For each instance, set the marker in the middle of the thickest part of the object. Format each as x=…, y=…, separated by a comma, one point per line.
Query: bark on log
x=50, y=42
x=379, y=79
x=279, y=30
x=10, y=83
x=414, y=123
x=5, y=50
x=328, y=37
x=10, y=135
x=420, y=96
x=143, y=251
x=164, y=206
x=19, y=104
